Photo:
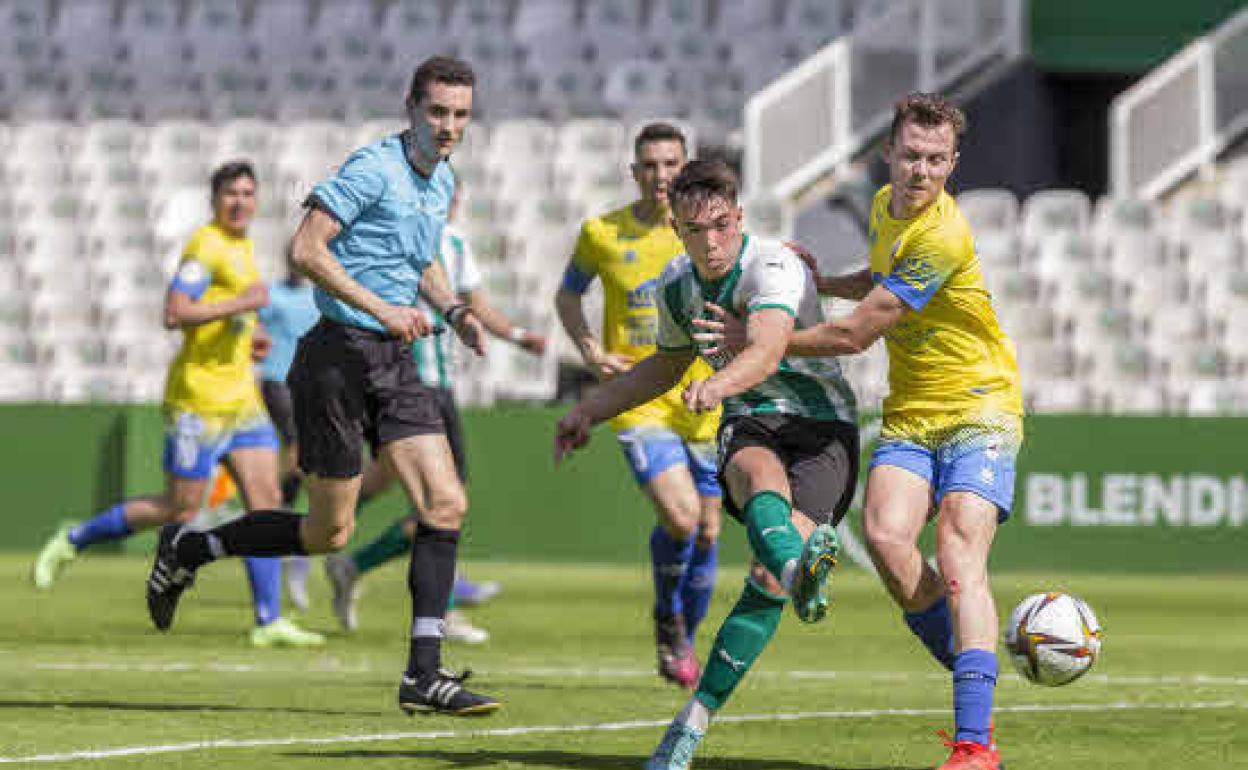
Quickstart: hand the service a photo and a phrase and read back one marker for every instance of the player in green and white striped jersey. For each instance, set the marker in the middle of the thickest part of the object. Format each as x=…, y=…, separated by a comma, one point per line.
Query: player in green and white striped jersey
x=788, y=439
x=435, y=364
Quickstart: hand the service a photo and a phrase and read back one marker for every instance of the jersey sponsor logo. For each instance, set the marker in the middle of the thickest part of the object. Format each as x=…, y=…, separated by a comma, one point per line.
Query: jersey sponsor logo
x=644, y=295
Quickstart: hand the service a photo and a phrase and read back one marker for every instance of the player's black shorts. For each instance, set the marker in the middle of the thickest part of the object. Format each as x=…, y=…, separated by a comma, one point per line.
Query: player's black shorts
x=281, y=410
x=454, y=430
x=821, y=458
x=349, y=385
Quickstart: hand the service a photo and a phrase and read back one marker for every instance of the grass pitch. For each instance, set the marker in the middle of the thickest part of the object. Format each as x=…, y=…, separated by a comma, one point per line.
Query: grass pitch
x=81, y=671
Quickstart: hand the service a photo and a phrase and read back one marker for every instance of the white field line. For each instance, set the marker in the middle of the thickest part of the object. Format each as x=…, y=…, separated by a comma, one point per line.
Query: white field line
x=215, y=745
x=331, y=666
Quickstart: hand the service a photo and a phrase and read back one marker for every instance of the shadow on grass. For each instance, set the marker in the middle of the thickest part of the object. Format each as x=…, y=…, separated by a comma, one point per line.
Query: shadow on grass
x=108, y=705
x=568, y=759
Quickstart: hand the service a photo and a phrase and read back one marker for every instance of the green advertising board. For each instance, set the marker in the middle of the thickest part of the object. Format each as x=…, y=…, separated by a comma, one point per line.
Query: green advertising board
x=1094, y=493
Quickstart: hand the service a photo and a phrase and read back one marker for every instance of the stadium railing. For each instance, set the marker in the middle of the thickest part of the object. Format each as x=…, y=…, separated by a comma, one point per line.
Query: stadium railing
x=823, y=112
x=1182, y=115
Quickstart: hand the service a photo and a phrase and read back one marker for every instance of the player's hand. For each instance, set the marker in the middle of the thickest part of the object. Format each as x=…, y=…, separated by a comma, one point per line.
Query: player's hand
x=804, y=254
x=534, y=343
x=720, y=333
x=702, y=396
x=470, y=331
x=609, y=365
x=261, y=344
x=405, y=322
x=254, y=297
x=571, y=433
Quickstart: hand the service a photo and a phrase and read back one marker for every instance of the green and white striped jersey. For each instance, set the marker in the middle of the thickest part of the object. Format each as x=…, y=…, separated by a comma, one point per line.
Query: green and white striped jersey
x=435, y=354
x=767, y=274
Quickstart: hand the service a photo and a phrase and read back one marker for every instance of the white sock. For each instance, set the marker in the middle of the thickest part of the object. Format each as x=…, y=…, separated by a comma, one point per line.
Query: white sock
x=788, y=575
x=696, y=715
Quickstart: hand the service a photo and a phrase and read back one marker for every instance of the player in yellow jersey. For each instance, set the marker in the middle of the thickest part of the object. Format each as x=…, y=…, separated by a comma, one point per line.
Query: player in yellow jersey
x=212, y=406
x=953, y=419
x=670, y=450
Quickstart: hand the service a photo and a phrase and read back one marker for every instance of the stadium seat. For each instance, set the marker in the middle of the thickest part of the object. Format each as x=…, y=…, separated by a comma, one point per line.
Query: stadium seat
x=1056, y=396
x=546, y=31
x=20, y=383
x=812, y=24
x=152, y=44
x=612, y=29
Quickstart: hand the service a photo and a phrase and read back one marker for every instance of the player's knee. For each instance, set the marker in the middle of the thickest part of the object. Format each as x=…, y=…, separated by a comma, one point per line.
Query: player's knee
x=883, y=540
x=680, y=522
x=327, y=537
x=446, y=510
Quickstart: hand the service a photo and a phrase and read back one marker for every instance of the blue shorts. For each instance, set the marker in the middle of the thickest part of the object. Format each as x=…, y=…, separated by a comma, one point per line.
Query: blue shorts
x=194, y=443
x=652, y=450
x=982, y=464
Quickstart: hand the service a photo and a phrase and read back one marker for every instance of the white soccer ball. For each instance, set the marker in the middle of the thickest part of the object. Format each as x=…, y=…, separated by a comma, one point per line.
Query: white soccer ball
x=1053, y=638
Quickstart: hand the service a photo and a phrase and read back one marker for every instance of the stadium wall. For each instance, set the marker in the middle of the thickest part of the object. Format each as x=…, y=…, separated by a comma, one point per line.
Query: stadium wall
x=1095, y=493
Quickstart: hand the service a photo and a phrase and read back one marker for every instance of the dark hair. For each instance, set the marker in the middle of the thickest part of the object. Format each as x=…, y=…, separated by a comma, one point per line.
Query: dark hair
x=228, y=172
x=700, y=181
x=929, y=111
x=440, y=69
x=659, y=132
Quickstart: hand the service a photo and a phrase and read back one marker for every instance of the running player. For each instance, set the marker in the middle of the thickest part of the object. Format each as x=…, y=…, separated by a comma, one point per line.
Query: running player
x=953, y=417
x=212, y=406
x=435, y=365
x=788, y=445
x=291, y=312
x=670, y=451
x=369, y=242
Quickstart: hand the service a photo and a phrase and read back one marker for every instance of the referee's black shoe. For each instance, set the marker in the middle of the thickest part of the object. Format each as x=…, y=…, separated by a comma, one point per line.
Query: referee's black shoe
x=444, y=693
x=167, y=580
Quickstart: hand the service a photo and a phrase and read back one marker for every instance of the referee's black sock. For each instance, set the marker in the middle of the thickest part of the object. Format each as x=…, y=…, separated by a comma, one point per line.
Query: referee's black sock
x=290, y=488
x=259, y=533
x=430, y=576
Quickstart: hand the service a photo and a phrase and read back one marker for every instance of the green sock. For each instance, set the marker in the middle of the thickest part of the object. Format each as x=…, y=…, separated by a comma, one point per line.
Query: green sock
x=389, y=544
x=744, y=634
x=450, y=603
x=773, y=538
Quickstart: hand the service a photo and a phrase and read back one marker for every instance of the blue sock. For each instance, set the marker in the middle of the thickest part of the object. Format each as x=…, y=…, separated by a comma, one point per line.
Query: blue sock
x=109, y=524
x=669, y=560
x=934, y=627
x=974, y=679
x=699, y=586
x=265, y=575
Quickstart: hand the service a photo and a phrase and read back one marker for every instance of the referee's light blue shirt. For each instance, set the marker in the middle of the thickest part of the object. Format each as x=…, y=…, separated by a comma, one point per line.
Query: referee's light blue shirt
x=288, y=316
x=392, y=220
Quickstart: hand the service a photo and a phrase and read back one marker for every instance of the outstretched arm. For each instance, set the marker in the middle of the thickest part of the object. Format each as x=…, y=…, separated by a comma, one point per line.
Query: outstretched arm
x=853, y=286
x=878, y=312
x=650, y=378
x=500, y=326
x=767, y=333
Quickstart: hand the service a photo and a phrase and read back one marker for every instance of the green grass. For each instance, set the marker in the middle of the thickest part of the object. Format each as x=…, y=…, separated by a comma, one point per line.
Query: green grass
x=81, y=669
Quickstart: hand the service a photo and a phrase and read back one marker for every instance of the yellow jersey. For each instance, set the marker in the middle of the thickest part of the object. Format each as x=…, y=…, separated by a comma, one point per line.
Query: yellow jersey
x=950, y=366
x=212, y=373
x=629, y=256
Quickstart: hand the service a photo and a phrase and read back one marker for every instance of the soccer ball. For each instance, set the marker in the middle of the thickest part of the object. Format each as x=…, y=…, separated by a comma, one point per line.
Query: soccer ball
x=1053, y=638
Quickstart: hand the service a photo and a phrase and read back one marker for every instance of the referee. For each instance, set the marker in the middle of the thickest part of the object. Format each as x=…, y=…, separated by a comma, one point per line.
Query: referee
x=369, y=242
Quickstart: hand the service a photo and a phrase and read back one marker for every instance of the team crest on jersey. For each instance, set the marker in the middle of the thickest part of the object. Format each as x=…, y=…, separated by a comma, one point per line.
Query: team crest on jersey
x=630, y=256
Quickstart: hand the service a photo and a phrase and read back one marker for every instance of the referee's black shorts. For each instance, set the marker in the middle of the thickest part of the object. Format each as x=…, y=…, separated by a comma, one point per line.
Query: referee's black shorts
x=454, y=430
x=349, y=385
x=281, y=411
